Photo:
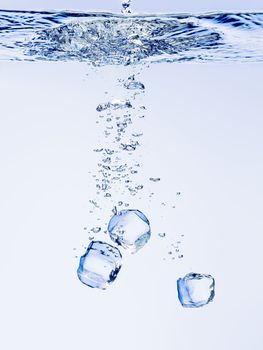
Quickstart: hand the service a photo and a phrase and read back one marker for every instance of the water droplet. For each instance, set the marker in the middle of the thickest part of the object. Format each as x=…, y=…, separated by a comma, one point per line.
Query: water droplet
x=162, y=234
x=154, y=179
x=131, y=83
x=96, y=229
x=115, y=211
x=114, y=104
x=109, y=151
x=130, y=147
x=126, y=7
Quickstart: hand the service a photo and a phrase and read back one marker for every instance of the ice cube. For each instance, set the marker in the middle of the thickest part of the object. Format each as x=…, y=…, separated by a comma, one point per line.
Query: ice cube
x=130, y=229
x=100, y=265
x=196, y=289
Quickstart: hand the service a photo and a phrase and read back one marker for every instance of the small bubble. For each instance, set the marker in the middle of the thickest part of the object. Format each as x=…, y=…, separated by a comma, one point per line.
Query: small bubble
x=137, y=134
x=180, y=256
x=154, y=179
x=162, y=234
x=115, y=211
x=96, y=229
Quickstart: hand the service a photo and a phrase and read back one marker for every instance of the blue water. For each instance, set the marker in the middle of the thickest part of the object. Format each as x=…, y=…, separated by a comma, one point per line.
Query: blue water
x=105, y=38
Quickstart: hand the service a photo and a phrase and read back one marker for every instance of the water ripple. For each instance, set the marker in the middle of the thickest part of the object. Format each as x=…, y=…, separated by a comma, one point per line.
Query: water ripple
x=104, y=38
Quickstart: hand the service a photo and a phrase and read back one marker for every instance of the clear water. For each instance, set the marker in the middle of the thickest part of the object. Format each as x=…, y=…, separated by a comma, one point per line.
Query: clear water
x=196, y=290
x=199, y=162
x=101, y=39
x=100, y=265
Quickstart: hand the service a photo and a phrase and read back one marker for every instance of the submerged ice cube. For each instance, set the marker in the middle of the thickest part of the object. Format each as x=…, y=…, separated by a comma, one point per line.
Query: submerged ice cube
x=100, y=265
x=130, y=229
x=196, y=290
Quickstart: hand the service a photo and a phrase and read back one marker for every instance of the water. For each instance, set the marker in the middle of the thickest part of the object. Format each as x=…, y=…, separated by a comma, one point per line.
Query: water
x=101, y=39
x=126, y=6
x=132, y=84
x=130, y=229
x=196, y=290
x=200, y=135
x=104, y=38
x=100, y=265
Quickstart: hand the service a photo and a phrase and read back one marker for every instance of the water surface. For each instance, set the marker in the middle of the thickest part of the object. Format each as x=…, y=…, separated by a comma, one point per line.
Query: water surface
x=105, y=38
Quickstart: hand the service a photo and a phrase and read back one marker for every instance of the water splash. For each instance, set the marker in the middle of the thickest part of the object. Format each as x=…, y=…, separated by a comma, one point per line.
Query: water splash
x=103, y=38
x=126, y=6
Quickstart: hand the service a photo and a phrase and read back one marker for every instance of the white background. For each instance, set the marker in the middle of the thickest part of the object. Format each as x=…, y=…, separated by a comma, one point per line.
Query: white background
x=202, y=136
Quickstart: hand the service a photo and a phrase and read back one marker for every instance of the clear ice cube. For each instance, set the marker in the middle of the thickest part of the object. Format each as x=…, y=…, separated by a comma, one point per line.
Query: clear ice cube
x=130, y=229
x=100, y=265
x=196, y=290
